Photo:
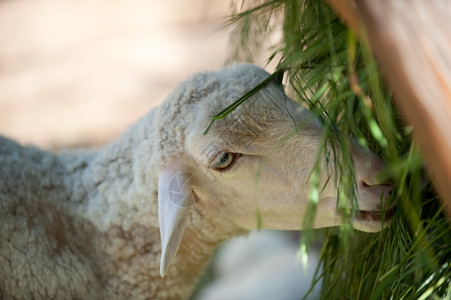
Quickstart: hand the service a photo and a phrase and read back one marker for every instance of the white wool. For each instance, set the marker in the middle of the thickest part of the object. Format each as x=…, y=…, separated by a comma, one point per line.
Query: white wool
x=86, y=225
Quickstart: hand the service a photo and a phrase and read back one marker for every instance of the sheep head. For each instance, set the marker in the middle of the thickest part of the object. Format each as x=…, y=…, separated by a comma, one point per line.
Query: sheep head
x=259, y=156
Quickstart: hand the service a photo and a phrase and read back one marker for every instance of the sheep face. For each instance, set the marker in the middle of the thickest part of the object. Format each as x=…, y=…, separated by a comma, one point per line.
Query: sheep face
x=264, y=162
x=260, y=157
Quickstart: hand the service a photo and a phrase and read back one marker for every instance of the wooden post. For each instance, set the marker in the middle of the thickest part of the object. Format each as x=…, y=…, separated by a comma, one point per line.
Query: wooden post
x=412, y=41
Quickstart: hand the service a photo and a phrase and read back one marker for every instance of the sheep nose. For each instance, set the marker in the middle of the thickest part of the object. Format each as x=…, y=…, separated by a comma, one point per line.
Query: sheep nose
x=369, y=184
x=370, y=170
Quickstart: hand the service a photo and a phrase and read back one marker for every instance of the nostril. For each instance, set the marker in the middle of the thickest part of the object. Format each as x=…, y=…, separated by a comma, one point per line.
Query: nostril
x=365, y=183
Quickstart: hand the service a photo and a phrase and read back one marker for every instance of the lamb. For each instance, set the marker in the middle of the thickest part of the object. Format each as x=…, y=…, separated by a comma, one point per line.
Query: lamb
x=140, y=218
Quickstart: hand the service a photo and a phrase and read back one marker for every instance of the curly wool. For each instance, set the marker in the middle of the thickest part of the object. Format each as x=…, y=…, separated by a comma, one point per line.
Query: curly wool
x=84, y=225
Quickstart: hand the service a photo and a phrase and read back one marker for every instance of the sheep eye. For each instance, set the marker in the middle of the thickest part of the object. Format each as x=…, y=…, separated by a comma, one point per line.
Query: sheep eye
x=222, y=160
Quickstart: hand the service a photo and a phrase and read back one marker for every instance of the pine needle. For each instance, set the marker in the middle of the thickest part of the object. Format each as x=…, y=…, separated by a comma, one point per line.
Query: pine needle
x=333, y=74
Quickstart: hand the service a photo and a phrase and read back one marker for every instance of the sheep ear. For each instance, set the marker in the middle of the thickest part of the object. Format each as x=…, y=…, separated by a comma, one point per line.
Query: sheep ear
x=174, y=201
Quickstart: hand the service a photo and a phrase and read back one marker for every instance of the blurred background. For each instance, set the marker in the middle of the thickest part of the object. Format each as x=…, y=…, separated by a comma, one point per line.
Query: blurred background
x=77, y=73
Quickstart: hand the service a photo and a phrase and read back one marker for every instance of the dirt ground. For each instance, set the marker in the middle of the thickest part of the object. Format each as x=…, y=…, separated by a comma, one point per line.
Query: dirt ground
x=75, y=73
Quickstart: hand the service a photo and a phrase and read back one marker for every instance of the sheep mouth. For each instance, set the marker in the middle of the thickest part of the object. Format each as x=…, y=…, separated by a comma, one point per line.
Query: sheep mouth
x=375, y=215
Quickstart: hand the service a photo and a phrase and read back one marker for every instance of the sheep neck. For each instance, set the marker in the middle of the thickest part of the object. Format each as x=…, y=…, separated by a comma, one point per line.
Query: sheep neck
x=121, y=206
